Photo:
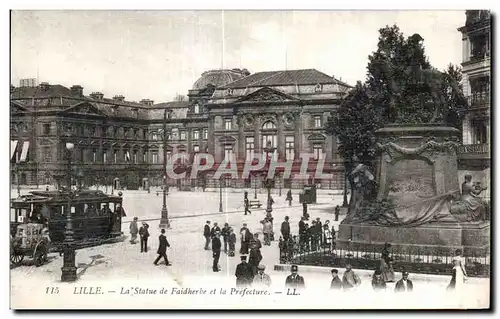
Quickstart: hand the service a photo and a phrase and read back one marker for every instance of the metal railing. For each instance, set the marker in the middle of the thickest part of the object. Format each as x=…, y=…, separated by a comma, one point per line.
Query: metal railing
x=320, y=251
x=479, y=100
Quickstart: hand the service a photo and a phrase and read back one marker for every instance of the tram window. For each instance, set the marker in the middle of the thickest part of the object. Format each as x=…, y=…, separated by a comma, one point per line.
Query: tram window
x=13, y=215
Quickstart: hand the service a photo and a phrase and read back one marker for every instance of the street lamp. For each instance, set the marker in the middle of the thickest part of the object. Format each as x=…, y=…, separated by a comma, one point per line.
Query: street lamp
x=345, y=202
x=68, y=271
x=269, y=149
x=255, y=186
x=220, y=195
x=164, y=222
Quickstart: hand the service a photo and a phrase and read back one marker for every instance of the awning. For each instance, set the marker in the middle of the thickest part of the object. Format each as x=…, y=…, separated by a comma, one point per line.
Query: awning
x=13, y=146
x=24, y=152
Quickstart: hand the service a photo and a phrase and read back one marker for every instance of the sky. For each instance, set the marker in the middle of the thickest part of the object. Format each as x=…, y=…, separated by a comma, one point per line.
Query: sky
x=158, y=54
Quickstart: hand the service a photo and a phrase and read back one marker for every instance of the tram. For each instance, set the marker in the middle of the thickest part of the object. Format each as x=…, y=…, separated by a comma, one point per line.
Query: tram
x=96, y=217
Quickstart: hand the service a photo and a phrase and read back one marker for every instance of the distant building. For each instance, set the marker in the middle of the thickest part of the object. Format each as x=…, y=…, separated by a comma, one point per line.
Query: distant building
x=474, y=155
x=228, y=112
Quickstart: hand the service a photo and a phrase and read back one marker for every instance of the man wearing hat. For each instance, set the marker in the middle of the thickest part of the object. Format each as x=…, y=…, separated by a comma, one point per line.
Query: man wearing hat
x=404, y=284
x=246, y=237
x=232, y=242
x=244, y=273
x=378, y=282
x=162, y=249
x=285, y=229
x=144, y=233
x=336, y=283
x=216, y=247
x=206, y=234
x=294, y=280
x=134, y=230
x=350, y=279
x=261, y=279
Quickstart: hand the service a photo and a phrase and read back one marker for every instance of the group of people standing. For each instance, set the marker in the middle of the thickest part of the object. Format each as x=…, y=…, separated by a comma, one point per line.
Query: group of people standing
x=143, y=232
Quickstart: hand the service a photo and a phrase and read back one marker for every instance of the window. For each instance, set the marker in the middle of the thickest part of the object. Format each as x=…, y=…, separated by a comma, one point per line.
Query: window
x=227, y=124
x=250, y=148
x=317, y=121
x=154, y=136
x=196, y=135
x=479, y=135
x=105, y=156
x=92, y=130
x=196, y=148
x=205, y=134
x=94, y=155
x=155, y=157
x=144, y=134
x=268, y=125
x=318, y=151
x=81, y=130
x=144, y=156
x=182, y=135
x=115, y=132
x=126, y=156
x=269, y=140
x=125, y=132
x=136, y=133
x=196, y=109
x=289, y=147
x=228, y=151
x=134, y=157
x=115, y=158
x=169, y=155
x=46, y=128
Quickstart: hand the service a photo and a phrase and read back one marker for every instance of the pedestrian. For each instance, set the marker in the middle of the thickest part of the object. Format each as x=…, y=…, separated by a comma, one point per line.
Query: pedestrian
x=289, y=197
x=134, y=230
x=267, y=229
x=404, y=284
x=243, y=273
x=215, y=229
x=246, y=237
x=162, y=249
x=378, y=282
x=255, y=256
x=386, y=264
x=232, y=242
x=225, y=236
x=246, y=203
x=285, y=228
x=304, y=211
x=261, y=279
x=144, y=234
x=350, y=279
x=206, y=234
x=302, y=232
x=216, y=247
x=294, y=280
x=336, y=283
x=337, y=213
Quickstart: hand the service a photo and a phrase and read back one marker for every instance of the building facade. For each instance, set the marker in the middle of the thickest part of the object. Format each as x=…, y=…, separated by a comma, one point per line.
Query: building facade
x=121, y=142
x=474, y=154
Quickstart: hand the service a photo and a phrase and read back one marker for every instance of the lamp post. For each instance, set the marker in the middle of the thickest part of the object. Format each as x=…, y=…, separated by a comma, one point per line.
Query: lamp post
x=68, y=271
x=255, y=186
x=280, y=180
x=269, y=149
x=345, y=203
x=164, y=222
x=220, y=195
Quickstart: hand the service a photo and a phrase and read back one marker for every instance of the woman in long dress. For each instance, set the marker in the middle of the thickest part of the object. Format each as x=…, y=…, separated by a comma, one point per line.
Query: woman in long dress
x=459, y=275
x=386, y=264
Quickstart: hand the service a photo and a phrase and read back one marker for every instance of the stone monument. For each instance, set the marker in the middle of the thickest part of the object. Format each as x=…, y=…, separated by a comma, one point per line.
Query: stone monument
x=413, y=199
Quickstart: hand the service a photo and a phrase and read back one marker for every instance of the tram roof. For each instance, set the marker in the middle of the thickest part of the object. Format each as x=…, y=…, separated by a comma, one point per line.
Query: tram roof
x=80, y=196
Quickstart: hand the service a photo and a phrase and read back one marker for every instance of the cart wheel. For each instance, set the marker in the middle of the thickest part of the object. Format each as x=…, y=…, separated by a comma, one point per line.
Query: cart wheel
x=15, y=258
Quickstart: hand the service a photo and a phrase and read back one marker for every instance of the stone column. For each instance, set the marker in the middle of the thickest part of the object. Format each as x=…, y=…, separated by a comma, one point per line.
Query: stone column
x=298, y=136
x=281, y=135
x=256, y=135
x=211, y=135
x=240, y=153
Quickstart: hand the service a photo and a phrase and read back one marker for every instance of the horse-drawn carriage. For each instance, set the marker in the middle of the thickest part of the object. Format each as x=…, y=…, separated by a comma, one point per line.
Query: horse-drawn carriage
x=29, y=240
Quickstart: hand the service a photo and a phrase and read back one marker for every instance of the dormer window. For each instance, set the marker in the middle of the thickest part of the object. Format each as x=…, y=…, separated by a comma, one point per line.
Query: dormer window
x=318, y=88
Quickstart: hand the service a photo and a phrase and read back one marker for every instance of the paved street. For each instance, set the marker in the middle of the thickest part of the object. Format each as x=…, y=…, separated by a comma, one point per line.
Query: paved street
x=122, y=263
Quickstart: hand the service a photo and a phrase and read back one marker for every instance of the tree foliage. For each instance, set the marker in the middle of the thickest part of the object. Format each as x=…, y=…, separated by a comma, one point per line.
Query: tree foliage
x=401, y=87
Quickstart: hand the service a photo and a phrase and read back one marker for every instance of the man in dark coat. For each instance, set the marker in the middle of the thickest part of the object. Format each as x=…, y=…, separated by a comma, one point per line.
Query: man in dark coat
x=295, y=280
x=304, y=210
x=216, y=247
x=244, y=273
x=302, y=232
x=144, y=233
x=215, y=229
x=255, y=256
x=232, y=242
x=337, y=213
x=285, y=228
x=206, y=234
x=289, y=197
x=246, y=237
x=404, y=284
x=162, y=249
x=225, y=236
x=246, y=203
x=336, y=283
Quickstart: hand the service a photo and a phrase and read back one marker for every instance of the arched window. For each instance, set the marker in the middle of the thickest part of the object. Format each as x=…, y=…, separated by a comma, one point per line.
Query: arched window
x=268, y=125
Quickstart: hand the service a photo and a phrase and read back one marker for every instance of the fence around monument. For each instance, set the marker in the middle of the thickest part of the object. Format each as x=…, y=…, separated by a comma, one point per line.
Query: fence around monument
x=412, y=259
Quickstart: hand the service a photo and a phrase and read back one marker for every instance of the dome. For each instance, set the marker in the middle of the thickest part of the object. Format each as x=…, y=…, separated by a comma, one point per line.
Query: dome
x=219, y=78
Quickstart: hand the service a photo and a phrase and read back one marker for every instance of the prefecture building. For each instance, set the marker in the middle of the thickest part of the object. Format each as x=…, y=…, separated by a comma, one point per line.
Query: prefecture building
x=474, y=155
x=228, y=112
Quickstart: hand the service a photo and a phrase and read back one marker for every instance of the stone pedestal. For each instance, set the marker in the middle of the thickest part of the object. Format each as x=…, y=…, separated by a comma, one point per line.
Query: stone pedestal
x=418, y=163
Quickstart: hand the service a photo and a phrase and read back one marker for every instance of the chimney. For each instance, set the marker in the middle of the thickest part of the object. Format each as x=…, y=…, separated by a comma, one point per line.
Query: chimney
x=147, y=102
x=119, y=98
x=77, y=90
x=97, y=95
x=44, y=86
